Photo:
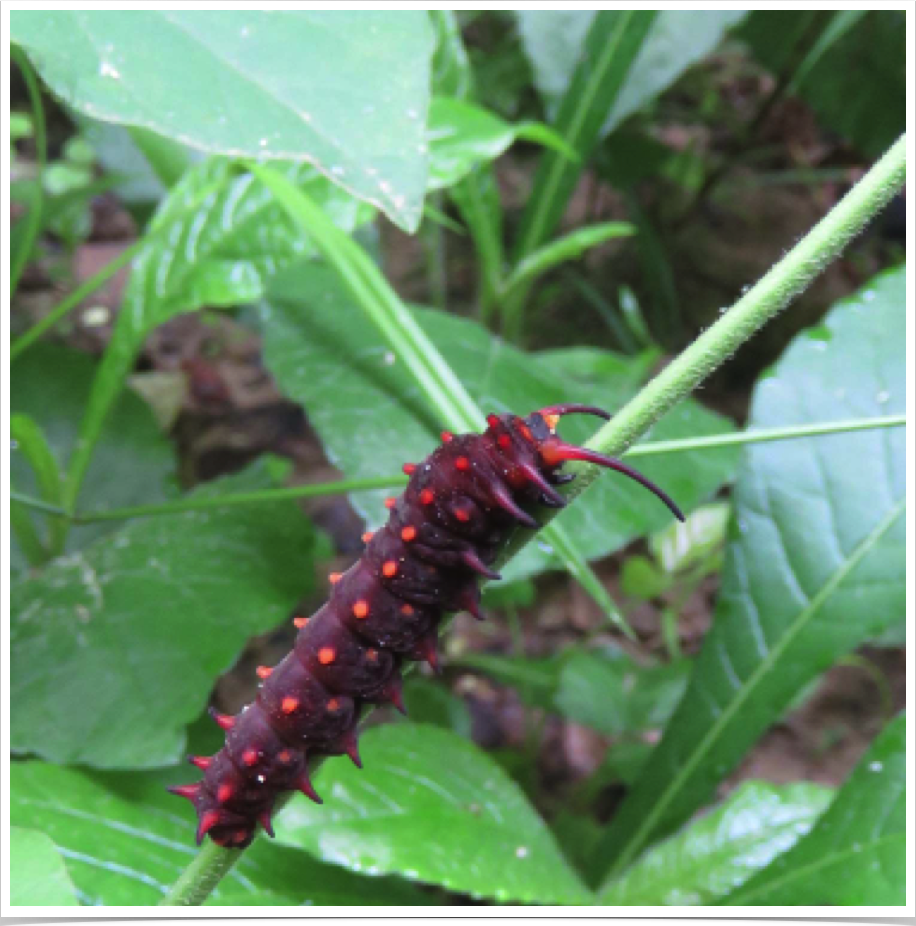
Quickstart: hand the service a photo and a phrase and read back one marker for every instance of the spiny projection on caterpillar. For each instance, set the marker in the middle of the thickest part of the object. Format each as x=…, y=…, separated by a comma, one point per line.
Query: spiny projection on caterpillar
x=459, y=508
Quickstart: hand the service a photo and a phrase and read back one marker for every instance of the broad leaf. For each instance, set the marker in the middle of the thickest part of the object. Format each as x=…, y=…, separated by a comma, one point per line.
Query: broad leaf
x=553, y=41
x=125, y=841
x=719, y=851
x=432, y=807
x=371, y=416
x=815, y=566
x=431, y=702
x=451, y=70
x=134, y=462
x=856, y=855
x=37, y=873
x=116, y=647
x=344, y=91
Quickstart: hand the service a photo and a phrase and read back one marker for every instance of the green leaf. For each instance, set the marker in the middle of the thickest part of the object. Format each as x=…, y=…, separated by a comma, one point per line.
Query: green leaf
x=608, y=692
x=815, y=566
x=432, y=807
x=553, y=41
x=451, y=69
x=115, y=648
x=462, y=135
x=344, y=91
x=722, y=849
x=611, y=45
x=684, y=544
x=641, y=578
x=134, y=461
x=856, y=854
x=599, y=688
x=568, y=247
x=215, y=241
x=125, y=841
x=352, y=384
x=856, y=84
x=37, y=874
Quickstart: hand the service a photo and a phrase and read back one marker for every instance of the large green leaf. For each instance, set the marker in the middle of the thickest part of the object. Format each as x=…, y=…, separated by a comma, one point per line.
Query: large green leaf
x=344, y=91
x=134, y=461
x=718, y=852
x=125, y=841
x=857, y=85
x=815, y=566
x=371, y=416
x=553, y=41
x=856, y=855
x=38, y=875
x=115, y=648
x=432, y=807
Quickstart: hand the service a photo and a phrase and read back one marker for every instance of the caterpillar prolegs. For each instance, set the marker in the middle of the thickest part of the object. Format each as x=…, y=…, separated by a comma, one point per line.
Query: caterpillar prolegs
x=459, y=508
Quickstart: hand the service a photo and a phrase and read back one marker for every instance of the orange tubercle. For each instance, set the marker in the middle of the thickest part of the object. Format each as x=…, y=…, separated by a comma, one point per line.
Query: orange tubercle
x=326, y=655
x=289, y=705
x=223, y=793
x=463, y=464
x=409, y=469
x=371, y=655
x=263, y=671
x=285, y=756
x=361, y=609
x=390, y=503
x=447, y=436
x=408, y=533
x=389, y=569
x=335, y=577
x=552, y=421
x=300, y=622
x=427, y=497
x=333, y=705
x=407, y=609
x=504, y=441
x=368, y=536
x=250, y=756
x=462, y=514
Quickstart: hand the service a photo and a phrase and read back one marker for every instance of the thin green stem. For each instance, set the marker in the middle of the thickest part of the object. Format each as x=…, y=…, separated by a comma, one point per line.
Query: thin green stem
x=264, y=496
x=769, y=296
x=33, y=216
x=211, y=864
x=764, y=435
x=788, y=278
x=343, y=486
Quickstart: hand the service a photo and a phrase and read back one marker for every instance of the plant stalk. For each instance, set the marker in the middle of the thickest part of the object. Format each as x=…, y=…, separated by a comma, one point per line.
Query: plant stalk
x=785, y=281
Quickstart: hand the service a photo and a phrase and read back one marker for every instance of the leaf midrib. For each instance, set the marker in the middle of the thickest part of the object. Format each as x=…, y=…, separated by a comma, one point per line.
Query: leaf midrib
x=763, y=668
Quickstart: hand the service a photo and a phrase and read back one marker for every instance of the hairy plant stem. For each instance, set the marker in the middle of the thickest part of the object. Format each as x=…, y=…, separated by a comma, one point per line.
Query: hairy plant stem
x=783, y=282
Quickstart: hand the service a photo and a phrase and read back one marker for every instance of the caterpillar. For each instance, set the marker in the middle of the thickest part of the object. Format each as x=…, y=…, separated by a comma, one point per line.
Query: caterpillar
x=460, y=506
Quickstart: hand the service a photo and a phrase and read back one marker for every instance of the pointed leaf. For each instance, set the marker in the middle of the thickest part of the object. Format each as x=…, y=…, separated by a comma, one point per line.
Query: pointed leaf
x=344, y=91
x=856, y=854
x=816, y=562
x=114, y=649
x=38, y=875
x=431, y=806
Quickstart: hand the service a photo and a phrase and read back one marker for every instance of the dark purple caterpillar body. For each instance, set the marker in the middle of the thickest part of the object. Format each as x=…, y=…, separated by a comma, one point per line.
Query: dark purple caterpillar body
x=458, y=510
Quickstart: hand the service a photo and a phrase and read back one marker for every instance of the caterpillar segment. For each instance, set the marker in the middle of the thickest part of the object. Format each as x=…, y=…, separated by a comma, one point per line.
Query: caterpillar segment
x=443, y=534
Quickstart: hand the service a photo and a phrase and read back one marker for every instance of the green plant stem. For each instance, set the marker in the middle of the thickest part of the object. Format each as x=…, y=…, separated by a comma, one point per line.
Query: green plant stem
x=211, y=864
x=765, y=435
x=70, y=302
x=342, y=486
x=769, y=296
x=19, y=260
x=261, y=497
x=788, y=278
